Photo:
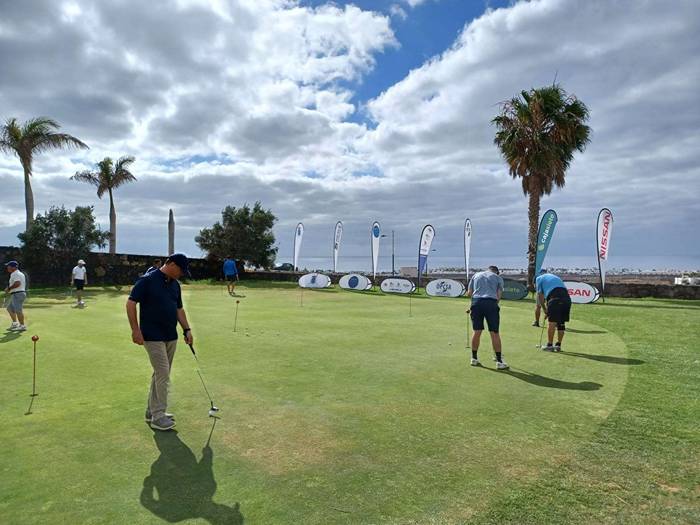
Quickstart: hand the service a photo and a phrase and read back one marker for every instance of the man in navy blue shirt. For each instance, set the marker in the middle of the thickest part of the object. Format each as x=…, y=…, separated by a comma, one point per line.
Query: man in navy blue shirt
x=553, y=295
x=160, y=299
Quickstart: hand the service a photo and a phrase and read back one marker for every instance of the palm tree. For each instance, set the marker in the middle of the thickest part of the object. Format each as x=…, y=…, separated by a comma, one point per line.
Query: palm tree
x=34, y=136
x=107, y=178
x=538, y=134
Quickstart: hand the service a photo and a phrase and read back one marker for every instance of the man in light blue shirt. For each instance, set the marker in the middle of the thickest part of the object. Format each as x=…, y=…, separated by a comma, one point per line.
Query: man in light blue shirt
x=486, y=289
x=554, y=297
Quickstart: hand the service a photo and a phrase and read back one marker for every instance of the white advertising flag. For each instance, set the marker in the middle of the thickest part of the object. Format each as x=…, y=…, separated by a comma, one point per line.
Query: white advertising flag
x=375, y=234
x=426, y=241
x=603, y=234
x=467, y=245
x=298, y=236
x=336, y=244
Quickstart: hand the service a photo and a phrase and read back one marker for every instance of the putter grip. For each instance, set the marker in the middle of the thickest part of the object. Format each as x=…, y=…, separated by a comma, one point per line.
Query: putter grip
x=192, y=348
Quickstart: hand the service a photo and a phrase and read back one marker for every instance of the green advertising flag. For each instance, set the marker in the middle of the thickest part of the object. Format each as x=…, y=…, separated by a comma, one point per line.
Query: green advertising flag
x=544, y=237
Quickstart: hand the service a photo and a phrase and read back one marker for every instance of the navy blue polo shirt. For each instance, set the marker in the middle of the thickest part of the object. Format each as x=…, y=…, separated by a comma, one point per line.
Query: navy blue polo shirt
x=159, y=298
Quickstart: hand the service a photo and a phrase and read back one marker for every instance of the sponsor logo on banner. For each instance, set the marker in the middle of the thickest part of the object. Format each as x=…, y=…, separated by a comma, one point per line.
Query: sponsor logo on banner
x=314, y=280
x=514, y=290
x=397, y=286
x=445, y=288
x=604, y=234
x=355, y=281
x=581, y=293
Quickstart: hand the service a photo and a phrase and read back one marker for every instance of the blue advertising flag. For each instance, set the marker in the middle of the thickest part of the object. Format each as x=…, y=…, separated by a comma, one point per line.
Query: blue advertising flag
x=544, y=237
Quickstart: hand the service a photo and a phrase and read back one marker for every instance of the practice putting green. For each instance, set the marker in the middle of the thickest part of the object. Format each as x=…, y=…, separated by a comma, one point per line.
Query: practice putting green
x=338, y=407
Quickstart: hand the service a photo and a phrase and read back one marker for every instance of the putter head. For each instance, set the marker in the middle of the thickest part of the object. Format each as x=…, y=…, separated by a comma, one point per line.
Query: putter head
x=213, y=411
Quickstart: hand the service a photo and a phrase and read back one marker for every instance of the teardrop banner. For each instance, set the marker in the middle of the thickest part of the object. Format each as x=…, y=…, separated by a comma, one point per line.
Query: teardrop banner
x=544, y=237
x=445, y=288
x=375, y=235
x=314, y=280
x=396, y=285
x=355, y=281
x=337, y=236
x=426, y=241
x=514, y=290
x=603, y=234
x=467, y=246
x=298, y=236
x=581, y=293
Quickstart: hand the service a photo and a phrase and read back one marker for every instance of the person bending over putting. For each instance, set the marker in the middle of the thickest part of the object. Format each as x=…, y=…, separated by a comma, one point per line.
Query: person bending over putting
x=553, y=295
x=538, y=306
x=486, y=289
x=160, y=299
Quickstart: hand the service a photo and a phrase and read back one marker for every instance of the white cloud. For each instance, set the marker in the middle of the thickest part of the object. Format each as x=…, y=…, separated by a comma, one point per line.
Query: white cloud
x=227, y=102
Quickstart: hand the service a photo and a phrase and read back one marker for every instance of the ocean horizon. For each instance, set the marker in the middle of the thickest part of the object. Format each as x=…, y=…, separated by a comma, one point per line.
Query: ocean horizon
x=620, y=264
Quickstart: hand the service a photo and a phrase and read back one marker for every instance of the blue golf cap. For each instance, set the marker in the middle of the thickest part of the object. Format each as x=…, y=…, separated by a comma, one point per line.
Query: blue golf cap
x=13, y=264
x=183, y=263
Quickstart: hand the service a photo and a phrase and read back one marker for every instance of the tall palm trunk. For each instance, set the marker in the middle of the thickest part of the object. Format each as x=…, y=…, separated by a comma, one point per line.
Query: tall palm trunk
x=533, y=212
x=28, y=194
x=112, y=225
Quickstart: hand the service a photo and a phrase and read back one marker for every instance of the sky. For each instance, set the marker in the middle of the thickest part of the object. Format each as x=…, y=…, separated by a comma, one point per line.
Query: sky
x=357, y=111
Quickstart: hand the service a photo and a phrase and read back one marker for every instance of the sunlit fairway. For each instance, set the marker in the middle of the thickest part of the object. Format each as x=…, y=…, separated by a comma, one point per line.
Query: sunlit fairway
x=347, y=410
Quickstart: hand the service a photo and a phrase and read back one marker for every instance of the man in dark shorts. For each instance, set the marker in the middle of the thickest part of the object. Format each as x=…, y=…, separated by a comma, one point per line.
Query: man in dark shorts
x=553, y=295
x=486, y=289
x=230, y=274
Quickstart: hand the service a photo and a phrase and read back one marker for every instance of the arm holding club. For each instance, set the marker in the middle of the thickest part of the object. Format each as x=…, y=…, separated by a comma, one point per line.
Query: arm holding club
x=187, y=331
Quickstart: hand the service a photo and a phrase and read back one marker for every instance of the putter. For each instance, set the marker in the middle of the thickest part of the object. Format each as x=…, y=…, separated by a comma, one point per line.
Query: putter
x=544, y=323
x=469, y=320
x=213, y=410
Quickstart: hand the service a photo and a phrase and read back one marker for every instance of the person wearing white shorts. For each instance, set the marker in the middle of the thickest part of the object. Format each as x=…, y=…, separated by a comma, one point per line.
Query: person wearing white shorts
x=17, y=288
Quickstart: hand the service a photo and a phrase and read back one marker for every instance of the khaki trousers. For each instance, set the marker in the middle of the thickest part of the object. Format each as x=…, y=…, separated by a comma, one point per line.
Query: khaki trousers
x=161, y=354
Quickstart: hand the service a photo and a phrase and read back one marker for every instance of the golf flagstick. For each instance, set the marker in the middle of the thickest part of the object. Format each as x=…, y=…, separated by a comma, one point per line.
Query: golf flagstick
x=410, y=311
x=235, y=319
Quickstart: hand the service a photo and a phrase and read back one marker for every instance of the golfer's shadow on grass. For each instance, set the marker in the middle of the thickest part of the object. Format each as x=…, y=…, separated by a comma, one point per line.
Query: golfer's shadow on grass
x=606, y=358
x=180, y=488
x=548, y=382
x=10, y=336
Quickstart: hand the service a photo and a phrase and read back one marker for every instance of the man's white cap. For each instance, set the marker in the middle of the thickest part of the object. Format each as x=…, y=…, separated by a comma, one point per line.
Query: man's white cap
x=80, y=261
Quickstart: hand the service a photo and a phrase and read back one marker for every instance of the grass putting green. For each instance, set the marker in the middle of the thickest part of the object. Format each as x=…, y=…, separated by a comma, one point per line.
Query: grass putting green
x=340, y=407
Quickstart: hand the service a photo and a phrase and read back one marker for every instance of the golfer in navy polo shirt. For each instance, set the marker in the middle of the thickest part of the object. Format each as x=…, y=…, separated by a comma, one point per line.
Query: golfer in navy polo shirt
x=158, y=294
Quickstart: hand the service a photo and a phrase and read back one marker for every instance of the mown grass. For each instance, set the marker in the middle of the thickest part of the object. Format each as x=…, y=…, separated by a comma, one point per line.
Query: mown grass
x=348, y=410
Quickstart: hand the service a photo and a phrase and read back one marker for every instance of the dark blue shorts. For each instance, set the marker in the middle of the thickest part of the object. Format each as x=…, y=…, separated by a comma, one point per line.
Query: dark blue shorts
x=232, y=277
x=486, y=309
x=79, y=284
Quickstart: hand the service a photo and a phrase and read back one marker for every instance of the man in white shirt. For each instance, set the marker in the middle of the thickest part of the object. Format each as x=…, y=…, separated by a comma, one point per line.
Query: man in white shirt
x=17, y=288
x=79, y=280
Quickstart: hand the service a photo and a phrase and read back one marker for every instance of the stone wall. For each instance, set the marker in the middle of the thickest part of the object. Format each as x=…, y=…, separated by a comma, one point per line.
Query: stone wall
x=106, y=269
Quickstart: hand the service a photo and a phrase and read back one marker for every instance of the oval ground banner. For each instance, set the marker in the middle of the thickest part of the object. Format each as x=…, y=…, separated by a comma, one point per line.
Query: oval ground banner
x=355, y=281
x=397, y=286
x=581, y=293
x=314, y=280
x=514, y=290
x=445, y=288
